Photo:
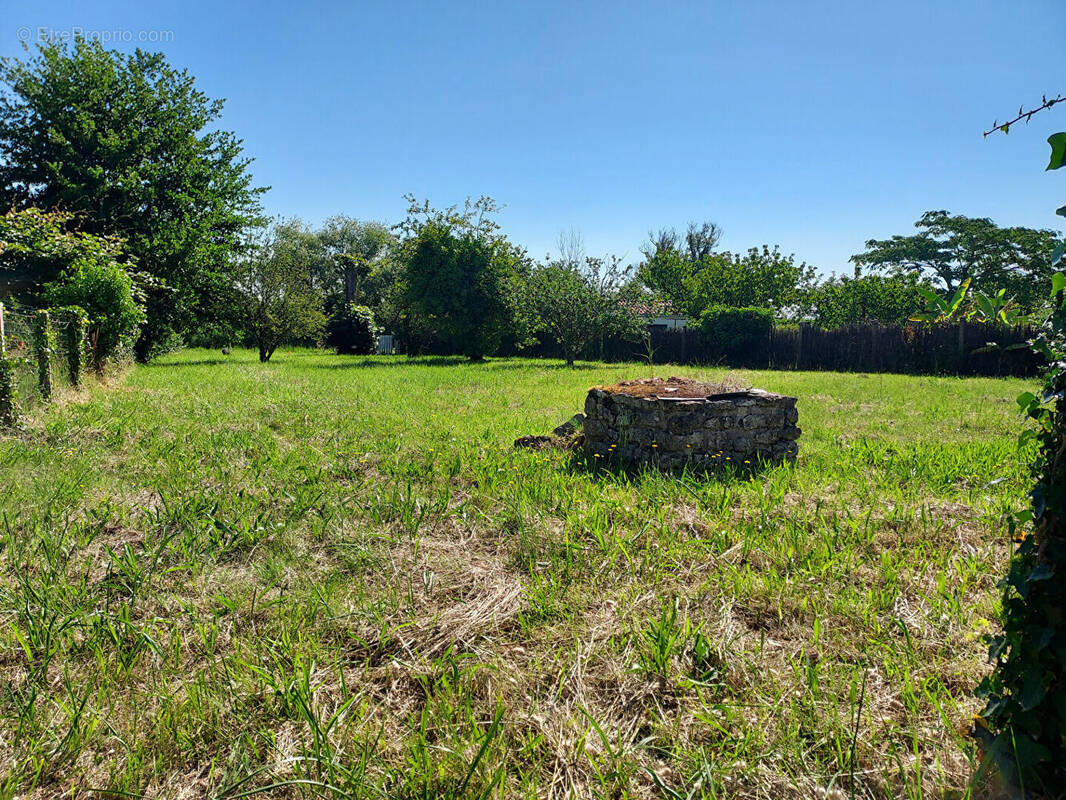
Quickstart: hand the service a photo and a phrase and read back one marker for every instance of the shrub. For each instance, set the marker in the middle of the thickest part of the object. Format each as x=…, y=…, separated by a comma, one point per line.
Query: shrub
x=112, y=300
x=352, y=331
x=731, y=332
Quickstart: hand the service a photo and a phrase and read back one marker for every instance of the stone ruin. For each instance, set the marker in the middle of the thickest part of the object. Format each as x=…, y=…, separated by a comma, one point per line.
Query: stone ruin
x=676, y=422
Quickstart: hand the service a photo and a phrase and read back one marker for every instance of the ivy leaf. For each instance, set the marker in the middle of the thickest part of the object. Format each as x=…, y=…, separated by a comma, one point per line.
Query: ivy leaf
x=1033, y=690
x=1025, y=400
x=1042, y=572
x=1058, y=280
x=1058, y=150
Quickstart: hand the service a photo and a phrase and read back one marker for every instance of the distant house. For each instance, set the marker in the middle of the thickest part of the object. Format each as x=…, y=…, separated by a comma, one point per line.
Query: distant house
x=659, y=314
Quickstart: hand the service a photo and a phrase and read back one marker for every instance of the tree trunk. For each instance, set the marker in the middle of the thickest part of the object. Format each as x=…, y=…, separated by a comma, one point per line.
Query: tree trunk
x=349, y=285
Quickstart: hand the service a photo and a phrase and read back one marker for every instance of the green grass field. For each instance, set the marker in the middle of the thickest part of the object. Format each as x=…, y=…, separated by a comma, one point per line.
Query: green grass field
x=334, y=577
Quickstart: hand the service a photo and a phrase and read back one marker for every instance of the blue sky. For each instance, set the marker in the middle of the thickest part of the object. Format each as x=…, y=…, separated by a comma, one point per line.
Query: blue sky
x=812, y=125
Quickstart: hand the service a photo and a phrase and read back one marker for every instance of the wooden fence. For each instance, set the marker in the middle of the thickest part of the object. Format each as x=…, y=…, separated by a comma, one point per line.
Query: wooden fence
x=960, y=348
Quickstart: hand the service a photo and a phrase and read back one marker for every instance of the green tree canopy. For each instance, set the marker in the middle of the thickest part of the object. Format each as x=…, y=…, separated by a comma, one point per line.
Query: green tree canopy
x=949, y=248
x=278, y=298
x=762, y=277
x=37, y=246
x=880, y=298
x=577, y=305
x=128, y=144
x=352, y=250
x=460, y=276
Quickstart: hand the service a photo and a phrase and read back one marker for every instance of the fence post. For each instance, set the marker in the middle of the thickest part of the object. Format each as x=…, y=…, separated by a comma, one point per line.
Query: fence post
x=44, y=345
x=75, y=342
x=9, y=412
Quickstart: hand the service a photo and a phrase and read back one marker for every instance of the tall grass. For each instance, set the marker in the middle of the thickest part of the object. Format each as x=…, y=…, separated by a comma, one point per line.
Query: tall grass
x=331, y=576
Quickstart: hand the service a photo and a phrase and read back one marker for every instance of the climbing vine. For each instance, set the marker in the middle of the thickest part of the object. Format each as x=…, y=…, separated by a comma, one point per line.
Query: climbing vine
x=1022, y=728
x=75, y=336
x=44, y=347
x=9, y=410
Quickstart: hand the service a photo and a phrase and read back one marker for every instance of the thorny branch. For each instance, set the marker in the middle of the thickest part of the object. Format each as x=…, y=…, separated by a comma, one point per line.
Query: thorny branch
x=1025, y=115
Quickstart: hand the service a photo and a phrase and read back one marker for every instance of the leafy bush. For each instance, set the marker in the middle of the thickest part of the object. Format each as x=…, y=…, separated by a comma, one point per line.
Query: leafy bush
x=352, y=331
x=889, y=299
x=461, y=277
x=110, y=296
x=730, y=332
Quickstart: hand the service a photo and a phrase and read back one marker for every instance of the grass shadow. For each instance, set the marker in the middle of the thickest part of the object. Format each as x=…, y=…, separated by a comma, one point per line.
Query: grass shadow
x=580, y=463
x=364, y=362
x=399, y=361
x=200, y=362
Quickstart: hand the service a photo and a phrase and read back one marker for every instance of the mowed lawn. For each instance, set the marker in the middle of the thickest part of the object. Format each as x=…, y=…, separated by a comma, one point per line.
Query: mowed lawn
x=330, y=576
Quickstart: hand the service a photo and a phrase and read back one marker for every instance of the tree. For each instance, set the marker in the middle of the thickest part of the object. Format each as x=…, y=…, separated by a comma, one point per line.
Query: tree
x=889, y=299
x=701, y=239
x=577, y=305
x=129, y=145
x=460, y=276
x=352, y=248
x=951, y=248
x=763, y=277
x=669, y=275
x=278, y=297
x=571, y=246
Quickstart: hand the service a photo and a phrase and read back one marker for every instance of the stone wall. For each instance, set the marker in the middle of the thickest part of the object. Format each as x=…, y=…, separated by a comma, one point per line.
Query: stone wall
x=735, y=427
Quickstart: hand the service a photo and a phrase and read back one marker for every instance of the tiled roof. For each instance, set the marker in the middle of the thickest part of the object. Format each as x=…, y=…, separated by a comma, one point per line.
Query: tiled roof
x=650, y=308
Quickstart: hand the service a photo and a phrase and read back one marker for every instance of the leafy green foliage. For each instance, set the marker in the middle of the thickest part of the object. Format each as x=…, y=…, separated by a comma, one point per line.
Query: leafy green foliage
x=129, y=145
x=278, y=296
x=460, y=277
x=352, y=331
x=111, y=298
x=888, y=299
x=352, y=249
x=75, y=339
x=37, y=246
x=729, y=331
x=576, y=305
x=762, y=277
x=949, y=249
x=1023, y=724
x=1058, y=150
x=9, y=410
